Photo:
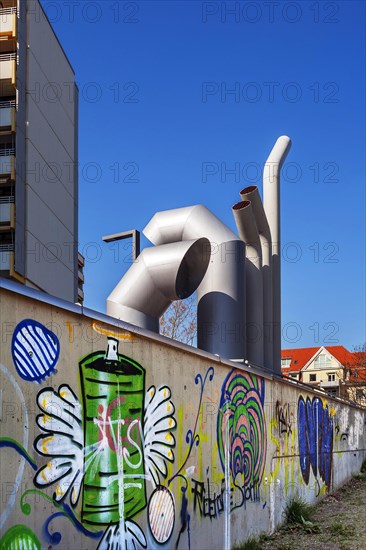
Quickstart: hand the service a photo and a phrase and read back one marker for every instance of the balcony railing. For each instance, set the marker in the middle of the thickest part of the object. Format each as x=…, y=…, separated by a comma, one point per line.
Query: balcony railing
x=5, y=11
x=6, y=248
x=7, y=163
x=7, y=115
x=7, y=199
x=329, y=383
x=7, y=57
x=7, y=218
x=8, y=22
x=8, y=73
x=7, y=152
x=6, y=257
x=7, y=104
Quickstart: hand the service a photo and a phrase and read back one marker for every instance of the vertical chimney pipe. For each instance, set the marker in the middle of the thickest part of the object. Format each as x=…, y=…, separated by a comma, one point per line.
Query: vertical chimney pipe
x=251, y=193
x=248, y=232
x=271, y=199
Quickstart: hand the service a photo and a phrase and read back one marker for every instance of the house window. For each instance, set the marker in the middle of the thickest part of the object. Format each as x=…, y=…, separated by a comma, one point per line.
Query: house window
x=312, y=377
x=322, y=361
x=331, y=377
x=332, y=393
x=285, y=362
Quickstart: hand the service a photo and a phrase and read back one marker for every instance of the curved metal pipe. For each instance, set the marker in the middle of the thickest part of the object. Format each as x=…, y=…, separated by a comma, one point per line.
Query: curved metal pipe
x=160, y=275
x=248, y=232
x=251, y=193
x=221, y=295
x=271, y=199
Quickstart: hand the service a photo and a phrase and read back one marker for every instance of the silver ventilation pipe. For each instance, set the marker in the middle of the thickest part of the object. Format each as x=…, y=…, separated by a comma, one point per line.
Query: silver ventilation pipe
x=271, y=199
x=248, y=232
x=160, y=275
x=221, y=295
x=251, y=193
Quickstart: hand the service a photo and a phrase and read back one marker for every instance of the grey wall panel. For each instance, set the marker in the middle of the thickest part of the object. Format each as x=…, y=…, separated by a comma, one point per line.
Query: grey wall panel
x=20, y=145
x=44, y=46
x=39, y=103
x=45, y=227
x=52, y=192
x=57, y=162
x=50, y=275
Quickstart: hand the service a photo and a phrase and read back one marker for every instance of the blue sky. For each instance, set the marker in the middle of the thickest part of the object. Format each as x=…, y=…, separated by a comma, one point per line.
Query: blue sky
x=160, y=129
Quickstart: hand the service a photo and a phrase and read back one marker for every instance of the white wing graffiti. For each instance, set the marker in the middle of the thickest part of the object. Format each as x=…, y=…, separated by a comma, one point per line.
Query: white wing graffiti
x=158, y=440
x=63, y=441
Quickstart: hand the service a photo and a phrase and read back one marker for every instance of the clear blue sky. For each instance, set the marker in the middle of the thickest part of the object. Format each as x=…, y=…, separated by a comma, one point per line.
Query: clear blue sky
x=156, y=117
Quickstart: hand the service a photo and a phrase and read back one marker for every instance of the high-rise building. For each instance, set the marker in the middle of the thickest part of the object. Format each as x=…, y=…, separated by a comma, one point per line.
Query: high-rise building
x=38, y=154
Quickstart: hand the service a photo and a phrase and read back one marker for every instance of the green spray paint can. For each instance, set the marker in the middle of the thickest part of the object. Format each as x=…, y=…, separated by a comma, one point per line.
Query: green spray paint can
x=113, y=387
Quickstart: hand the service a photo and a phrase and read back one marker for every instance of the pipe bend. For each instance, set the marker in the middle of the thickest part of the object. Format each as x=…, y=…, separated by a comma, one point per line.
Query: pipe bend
x=190, y=222
x=276, y=158
x=160, y=275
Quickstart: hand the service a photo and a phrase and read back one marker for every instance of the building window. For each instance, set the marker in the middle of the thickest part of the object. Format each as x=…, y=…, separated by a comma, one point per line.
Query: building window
x=285, y=362
x=312, y=377
x=360, y=394
x=331, y=377
x=332, y=393
x=322, y=361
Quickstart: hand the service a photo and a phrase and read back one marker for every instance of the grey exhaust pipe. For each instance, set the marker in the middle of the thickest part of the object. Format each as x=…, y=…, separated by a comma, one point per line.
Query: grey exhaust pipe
x=221, y=295
x=160, y=275
x=271, y=199
x=251, y=193
x=247, y=228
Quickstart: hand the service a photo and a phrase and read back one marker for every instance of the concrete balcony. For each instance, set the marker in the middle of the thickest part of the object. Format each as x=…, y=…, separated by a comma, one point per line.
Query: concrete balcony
x=6, y=257
x=7, y=116
x=329, y=383
x=80, y=296
x=7, y=163
x=8, y=23
x=7, y=74
x=7, y=213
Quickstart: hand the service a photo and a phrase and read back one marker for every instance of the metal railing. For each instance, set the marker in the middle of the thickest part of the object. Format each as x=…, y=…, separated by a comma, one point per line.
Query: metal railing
x=7, y=104
x=6, y=248
x=7, y=56
x=7, y=200
x=6, y=11
x=7, y=152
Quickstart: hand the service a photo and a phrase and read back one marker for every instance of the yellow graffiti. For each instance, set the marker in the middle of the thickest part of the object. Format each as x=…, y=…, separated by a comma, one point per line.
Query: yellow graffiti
x=70, y=329
x=107, y=332
x=45, y=442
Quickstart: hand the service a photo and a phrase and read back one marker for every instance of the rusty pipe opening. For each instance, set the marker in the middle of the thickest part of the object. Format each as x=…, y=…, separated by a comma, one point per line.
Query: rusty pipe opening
x=240, y=205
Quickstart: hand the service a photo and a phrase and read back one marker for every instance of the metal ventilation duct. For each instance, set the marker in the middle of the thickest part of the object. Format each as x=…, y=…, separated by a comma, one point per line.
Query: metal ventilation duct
x=221, y=295
x=160, y=275
x=271, y=199
x=252, y=194
x=248, y=231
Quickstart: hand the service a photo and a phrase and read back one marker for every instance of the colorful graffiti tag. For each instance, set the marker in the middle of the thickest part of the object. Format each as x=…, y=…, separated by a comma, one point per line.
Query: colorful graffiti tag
x=35, y=350
x=241, y=431
x=110, y=446
x=315, y=437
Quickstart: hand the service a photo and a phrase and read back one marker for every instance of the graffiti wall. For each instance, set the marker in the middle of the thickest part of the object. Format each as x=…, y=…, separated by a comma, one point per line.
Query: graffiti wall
x=112, y=439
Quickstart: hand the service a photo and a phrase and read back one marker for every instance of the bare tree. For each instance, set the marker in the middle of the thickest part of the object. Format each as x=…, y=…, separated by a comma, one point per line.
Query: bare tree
x=179, y=322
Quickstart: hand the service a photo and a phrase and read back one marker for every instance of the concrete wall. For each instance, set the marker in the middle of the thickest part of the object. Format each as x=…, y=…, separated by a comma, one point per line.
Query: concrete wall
x=162, y=447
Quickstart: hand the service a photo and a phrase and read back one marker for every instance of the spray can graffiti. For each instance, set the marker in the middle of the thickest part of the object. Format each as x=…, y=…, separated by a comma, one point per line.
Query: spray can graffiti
x=113, y=395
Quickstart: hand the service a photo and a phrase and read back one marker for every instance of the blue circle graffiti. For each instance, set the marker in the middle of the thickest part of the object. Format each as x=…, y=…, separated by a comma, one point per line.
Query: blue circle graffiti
x=35, y=350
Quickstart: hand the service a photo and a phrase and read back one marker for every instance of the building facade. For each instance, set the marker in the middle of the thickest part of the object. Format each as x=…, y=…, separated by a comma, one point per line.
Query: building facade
x=38, y=155
x=334, y=369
